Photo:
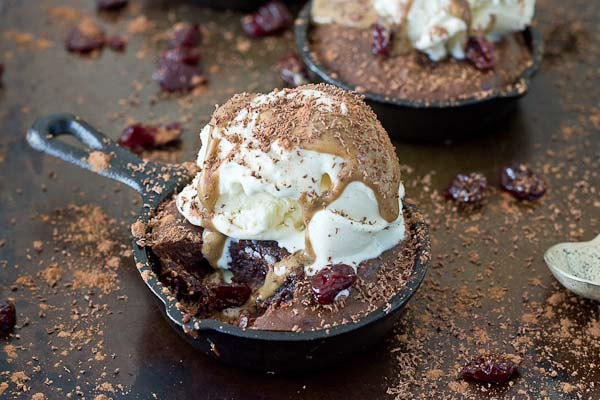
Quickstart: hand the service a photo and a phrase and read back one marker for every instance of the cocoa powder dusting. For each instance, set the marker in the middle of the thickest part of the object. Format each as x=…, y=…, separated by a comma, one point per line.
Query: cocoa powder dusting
x=77, y=270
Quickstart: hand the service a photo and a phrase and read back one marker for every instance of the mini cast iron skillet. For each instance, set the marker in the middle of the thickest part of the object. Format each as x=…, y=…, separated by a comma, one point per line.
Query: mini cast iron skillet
x=261, y=350
x=417, y=120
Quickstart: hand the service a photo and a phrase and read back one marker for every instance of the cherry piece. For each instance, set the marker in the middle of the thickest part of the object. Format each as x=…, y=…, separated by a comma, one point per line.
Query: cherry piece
x=522, y=182
x=292, y=70
x=8, y=316
x=224, y=296
x=482, y=53
x=270, y=19
x=111, y=5
x=185, y=55
x=185, y=35
x=490, y=368
x=137, y=136
x=468, y=188
x=177, y=76
x=381, y=40
x=85, y=37
x=328, y=282
x=116, y=43
x=140, y=136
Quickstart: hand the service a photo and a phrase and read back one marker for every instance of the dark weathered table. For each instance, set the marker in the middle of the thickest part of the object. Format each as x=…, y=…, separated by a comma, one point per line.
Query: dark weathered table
x=88, y=326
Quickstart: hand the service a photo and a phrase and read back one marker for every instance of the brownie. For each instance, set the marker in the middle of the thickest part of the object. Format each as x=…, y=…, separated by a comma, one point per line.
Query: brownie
x=178, y=246
x=250, y=260
x=205, y=292
x=177, y=243
x=347, y=54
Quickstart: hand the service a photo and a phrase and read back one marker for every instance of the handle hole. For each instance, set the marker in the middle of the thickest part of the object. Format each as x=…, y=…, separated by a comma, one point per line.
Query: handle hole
x=72, y=141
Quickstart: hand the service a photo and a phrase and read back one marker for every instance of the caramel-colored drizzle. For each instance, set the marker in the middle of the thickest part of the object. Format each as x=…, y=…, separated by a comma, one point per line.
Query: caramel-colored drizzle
x=461, y=9
x=213, y=243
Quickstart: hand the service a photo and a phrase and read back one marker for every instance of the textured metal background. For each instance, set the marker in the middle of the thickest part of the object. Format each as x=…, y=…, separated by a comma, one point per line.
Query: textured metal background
x=555, y=130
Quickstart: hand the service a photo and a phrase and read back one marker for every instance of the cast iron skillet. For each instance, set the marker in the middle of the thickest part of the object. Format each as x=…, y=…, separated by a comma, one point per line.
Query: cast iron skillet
x=261, y=350
x=417, y=120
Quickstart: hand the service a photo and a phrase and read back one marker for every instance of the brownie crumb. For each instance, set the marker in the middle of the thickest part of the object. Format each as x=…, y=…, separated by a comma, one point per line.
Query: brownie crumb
x=99, y=161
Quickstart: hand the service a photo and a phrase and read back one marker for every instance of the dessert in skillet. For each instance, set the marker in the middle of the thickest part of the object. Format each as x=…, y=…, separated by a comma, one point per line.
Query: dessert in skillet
x=423, y=50
x=295, y=220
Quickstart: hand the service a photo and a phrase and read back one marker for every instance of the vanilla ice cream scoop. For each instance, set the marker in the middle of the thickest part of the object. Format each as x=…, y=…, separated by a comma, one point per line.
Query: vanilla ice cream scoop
x=438, y=27
x=310, y=168
x=497, y=17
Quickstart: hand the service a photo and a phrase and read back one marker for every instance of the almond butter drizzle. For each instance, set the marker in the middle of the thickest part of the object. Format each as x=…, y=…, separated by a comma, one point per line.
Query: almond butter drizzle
x=213, y=243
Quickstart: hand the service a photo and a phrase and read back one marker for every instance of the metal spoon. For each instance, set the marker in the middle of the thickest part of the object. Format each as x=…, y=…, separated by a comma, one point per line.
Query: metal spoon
x=577, y=266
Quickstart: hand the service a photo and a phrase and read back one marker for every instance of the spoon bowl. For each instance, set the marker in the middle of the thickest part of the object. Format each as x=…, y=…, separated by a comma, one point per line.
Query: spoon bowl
x=577, y=266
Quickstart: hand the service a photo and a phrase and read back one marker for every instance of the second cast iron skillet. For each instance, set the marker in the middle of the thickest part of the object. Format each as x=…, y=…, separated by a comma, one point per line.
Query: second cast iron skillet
x=260, y=350
x=429, y=121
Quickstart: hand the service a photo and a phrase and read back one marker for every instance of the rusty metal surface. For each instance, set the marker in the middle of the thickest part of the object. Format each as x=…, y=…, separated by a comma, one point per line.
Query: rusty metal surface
x=489, y=289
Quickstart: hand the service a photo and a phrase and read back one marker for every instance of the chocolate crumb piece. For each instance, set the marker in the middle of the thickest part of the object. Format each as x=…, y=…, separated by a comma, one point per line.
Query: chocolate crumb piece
x=1, y=73
x=38, y=246
x=522, y=182
x=491, y=368
x=191, y=168
x=468, y=188
x=142, y=136
x=139, y=25
x=99, y=161
x=270, y=19
x=566, y=37
x=86, y=37
x=482, y=53
x=116, y=43
x=111, y=5
x=292, y=70
x=8, y=316
x=138, y=229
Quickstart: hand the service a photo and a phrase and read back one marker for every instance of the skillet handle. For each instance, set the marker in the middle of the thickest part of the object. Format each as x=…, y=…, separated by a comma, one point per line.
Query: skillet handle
x=99, y=153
